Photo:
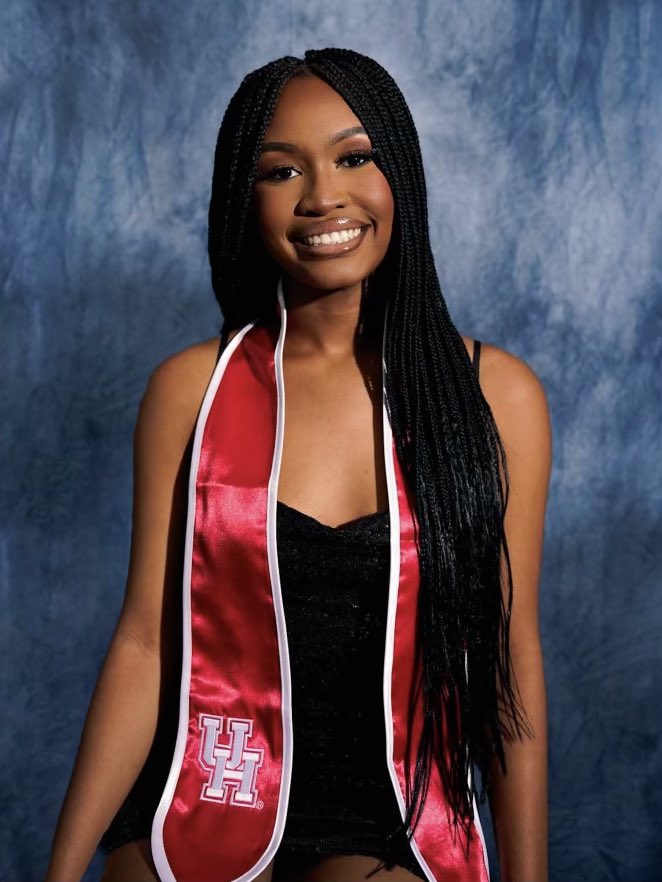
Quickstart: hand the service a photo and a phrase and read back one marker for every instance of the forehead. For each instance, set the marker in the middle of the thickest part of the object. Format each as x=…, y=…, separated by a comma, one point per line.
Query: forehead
x=308, y=109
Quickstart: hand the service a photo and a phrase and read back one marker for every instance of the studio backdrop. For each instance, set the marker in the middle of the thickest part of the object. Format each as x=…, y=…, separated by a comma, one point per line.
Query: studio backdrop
x=541, y=130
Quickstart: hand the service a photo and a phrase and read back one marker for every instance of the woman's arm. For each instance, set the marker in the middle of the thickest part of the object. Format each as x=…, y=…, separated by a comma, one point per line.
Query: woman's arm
x=114, y=745
x=124, y=710
x=518, y=800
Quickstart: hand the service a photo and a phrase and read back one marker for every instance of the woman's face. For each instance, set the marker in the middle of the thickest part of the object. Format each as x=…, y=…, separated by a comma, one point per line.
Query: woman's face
x=315, y=170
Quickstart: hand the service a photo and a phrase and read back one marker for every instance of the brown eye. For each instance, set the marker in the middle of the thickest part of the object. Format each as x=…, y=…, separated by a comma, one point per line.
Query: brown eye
x=274, y=173
x=363, y=155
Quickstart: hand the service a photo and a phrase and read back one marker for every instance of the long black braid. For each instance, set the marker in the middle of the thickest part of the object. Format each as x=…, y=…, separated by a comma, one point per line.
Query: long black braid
x=446, y=438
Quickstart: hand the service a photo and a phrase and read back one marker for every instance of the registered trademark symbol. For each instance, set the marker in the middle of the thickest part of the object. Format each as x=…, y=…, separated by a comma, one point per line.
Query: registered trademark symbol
x=260, y=804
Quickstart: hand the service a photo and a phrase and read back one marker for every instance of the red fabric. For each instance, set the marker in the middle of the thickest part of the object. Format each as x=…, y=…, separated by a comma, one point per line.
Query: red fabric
x=235, y=669
x=238, y=668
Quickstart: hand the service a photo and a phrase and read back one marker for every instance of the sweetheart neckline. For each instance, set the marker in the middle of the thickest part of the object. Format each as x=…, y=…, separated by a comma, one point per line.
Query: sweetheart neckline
x=373, y=515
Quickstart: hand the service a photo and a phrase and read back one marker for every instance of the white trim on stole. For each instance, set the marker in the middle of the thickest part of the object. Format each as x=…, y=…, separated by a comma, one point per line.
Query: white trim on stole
x=279, y=611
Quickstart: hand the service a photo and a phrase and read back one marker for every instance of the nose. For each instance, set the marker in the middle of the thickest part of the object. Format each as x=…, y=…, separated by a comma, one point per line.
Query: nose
x=321, y=194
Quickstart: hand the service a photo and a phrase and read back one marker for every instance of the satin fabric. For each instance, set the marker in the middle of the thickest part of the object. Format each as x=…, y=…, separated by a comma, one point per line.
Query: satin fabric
x=222, y=813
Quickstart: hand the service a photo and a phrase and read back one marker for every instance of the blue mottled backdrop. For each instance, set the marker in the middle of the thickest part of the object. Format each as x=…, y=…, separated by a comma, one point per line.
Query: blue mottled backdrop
x=541, y=130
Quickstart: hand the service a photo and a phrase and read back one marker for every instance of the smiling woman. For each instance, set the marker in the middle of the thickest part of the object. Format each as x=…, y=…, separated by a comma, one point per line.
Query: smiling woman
x=337, y=539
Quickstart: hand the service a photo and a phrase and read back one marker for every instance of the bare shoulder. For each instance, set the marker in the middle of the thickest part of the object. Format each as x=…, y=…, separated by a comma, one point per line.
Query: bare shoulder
x=163, y=431
x=517, y=398
x=196, y=362
x=177, y=385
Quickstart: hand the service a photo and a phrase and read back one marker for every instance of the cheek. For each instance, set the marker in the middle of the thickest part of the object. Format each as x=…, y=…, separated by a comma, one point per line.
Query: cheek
x=270, y=216
x=381, y=202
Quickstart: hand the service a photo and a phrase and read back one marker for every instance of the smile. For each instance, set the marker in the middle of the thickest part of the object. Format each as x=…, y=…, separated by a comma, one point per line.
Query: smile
x=331, y=244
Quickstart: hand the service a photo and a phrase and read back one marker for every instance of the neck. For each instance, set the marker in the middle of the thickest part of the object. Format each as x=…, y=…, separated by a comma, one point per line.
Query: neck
x=334, y=323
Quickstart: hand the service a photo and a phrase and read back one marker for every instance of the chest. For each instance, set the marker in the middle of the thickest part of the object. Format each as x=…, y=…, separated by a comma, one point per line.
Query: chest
x=332, y=464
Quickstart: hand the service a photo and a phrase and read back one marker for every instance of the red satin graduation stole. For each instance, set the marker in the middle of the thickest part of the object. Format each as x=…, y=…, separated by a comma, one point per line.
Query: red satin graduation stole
x=222, y=812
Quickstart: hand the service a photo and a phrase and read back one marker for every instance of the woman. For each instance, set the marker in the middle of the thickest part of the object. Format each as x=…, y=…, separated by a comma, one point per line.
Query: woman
x=397, y=468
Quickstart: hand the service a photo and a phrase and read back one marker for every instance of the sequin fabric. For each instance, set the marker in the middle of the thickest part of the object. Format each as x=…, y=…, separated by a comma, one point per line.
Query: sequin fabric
x=334, y=582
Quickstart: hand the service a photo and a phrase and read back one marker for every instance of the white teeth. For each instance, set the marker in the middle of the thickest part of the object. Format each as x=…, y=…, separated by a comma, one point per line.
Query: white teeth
x=332, y=238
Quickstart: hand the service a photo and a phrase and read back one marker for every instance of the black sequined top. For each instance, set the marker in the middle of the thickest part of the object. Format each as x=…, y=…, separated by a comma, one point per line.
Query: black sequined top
x=335, y=592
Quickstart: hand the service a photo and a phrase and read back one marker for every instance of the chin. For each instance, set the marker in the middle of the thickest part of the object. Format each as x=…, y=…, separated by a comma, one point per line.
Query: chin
x=326, y=276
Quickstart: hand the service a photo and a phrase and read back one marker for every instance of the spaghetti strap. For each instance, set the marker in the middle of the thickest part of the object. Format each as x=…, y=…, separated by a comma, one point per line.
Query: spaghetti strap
x=476, y=356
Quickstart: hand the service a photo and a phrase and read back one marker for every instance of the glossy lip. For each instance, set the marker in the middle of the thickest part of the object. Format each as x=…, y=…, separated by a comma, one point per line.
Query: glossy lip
x=334, y=249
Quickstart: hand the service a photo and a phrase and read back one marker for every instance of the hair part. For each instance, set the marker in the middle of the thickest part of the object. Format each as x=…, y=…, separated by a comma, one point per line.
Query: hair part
x=446, y=438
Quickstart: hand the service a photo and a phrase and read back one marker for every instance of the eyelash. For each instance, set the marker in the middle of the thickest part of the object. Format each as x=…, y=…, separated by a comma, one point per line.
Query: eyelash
x=364, y=154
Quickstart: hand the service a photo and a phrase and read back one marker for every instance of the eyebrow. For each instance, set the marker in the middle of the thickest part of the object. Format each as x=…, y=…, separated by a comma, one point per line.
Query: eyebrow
x=287, y=147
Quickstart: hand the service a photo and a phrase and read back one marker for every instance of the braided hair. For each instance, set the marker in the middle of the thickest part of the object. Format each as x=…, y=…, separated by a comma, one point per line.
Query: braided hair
x=446, y=438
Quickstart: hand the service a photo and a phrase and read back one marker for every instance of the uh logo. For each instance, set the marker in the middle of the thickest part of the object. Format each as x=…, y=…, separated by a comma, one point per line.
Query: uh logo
x=233, y=766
